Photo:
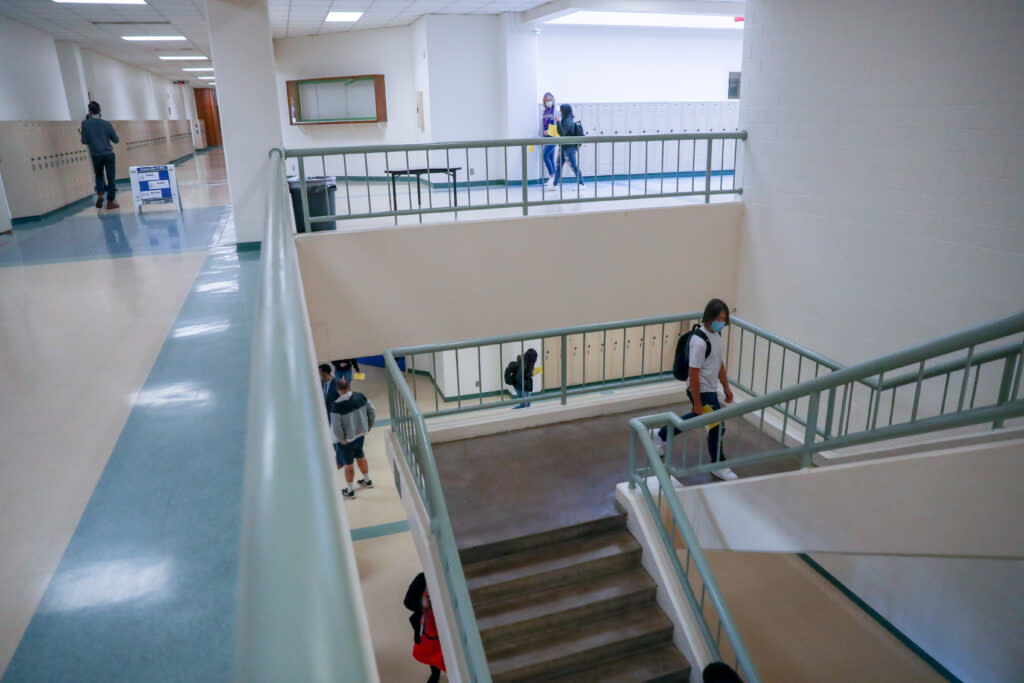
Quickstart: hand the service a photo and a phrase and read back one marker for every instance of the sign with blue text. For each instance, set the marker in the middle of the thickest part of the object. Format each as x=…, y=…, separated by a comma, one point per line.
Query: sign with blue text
x=154, y=185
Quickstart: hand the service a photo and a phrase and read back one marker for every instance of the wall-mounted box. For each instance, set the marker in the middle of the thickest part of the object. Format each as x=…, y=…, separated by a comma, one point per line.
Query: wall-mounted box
x=340, y=99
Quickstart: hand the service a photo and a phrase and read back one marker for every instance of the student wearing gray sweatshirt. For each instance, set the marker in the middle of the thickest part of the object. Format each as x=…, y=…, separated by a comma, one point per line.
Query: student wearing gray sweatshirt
x=352, y=417
x=97, y=134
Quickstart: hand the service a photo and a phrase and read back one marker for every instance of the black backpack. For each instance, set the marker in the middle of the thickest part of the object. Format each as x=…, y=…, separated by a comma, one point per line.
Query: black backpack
x=681, y=365
x=512, y=373
x=577, y=129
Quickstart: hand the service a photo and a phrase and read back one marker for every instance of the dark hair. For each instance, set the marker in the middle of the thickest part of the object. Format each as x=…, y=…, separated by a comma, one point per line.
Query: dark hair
x=324, y=367
x=94, y=108
x=717, y=672
x=566, y=110
x=714, y=309
x=530, y=357
x=342, y=384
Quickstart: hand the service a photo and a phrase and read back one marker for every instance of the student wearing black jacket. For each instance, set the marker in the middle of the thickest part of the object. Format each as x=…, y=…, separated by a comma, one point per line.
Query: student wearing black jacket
x=568, y=127
x=97, y=134
x=522, y=380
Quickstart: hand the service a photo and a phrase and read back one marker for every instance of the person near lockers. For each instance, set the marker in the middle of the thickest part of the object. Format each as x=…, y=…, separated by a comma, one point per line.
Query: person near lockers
x=549, y=128
x=568, y=126
x=98, y=134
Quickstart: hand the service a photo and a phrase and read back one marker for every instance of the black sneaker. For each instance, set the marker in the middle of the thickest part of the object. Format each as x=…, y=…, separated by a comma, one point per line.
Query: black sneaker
x=99, y=200
x=365, y=483
x=348, y=495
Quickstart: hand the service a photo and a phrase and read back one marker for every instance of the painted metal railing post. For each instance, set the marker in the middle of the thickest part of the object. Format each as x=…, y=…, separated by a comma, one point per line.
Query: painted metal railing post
x=811, y=430
x=1004, y=386
x=565, y=369
x=707, y=175
x=830, y=413
x=632, y=460
x=305, y=196
x=525, y=181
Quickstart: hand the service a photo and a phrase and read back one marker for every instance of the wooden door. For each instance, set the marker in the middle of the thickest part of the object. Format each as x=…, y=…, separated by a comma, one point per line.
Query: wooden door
x=207, y=110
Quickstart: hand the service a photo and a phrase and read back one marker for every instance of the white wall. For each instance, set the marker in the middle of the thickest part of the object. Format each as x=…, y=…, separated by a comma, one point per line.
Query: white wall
x=398, y=287
x=965, y=612
x=31, y=85
x=597, y=64
x=127, y=92
x=882, y=173
x=69, y=56
x=387, y=51
x=883, y=208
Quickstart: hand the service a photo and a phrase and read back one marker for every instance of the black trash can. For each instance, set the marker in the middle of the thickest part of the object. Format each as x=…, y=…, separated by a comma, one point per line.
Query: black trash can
x=320, y=194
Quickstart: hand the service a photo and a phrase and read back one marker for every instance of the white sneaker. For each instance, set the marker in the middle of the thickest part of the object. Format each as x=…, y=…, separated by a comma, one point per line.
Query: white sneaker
x=725, y=474
x=550, y=182
x=659, y=443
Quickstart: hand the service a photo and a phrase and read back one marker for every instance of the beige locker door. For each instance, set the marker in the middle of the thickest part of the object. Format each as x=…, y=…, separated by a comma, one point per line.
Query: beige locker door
x=551, y=359
x=668, y=342
x=634, y=351
x=574, y=363
x=594, y=344
x=654, y=348
x=613, y=355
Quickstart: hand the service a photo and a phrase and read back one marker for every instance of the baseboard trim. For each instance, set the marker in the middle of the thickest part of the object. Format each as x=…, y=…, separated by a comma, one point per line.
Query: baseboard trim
x=881, y=620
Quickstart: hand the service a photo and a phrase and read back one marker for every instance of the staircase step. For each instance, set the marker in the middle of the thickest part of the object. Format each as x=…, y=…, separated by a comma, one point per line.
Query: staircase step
x=510, y=546
x=554, y=565
x=662, y=665
x=519, y=622
x=615, y=636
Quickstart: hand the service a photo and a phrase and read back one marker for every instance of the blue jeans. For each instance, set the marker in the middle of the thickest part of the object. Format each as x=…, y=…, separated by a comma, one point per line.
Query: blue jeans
x=522, y=394
x=549, y=159
x=346, y=375
x=105, y=163
x=715, y=435
x=568, y=153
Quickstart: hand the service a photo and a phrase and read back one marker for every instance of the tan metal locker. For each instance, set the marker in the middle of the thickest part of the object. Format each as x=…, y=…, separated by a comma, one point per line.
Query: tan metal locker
x=594, y=345
x=669, y=339
x=574, y=363
x=634, y=351
x=613, y=356
x=551, y=360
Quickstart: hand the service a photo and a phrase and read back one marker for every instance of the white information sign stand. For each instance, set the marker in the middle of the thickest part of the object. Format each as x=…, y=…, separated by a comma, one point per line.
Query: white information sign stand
x=154, y=185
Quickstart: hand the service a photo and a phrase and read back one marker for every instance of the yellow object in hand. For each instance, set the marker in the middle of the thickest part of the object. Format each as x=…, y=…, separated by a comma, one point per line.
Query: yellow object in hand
x=709, y=409
x=537, y=370
x=359, y=376
x=553, y=130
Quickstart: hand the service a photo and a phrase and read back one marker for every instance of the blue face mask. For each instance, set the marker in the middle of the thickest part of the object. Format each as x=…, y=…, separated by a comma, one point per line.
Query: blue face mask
x=717, y=326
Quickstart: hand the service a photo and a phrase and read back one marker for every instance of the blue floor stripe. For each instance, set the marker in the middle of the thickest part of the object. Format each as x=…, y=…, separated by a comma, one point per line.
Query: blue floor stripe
x=145, y=590
x=379, y=530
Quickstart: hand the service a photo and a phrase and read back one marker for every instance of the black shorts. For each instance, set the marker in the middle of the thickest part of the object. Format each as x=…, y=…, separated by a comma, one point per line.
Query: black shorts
x=347, y=453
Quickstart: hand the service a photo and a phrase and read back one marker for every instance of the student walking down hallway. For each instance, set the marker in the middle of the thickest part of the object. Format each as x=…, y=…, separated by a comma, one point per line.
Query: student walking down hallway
x=97, y=134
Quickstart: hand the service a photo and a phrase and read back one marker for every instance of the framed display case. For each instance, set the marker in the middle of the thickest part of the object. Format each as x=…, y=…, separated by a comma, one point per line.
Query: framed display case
x=339, y=99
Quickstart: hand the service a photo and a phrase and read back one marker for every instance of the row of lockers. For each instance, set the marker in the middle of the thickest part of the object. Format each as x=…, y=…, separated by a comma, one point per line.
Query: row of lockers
x=646, y=118
x=45, y=166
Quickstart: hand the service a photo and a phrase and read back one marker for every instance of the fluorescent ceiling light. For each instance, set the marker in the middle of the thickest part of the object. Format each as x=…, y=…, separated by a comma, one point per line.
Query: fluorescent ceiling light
x=102, y=2
x=205, y=78
x=184, y=58
x=153, y=37
x=197, y=68
x=343, y=16
x=594, y=18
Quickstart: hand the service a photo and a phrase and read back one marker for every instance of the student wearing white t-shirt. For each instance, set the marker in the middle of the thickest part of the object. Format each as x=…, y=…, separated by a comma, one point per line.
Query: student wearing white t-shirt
x=707, y=372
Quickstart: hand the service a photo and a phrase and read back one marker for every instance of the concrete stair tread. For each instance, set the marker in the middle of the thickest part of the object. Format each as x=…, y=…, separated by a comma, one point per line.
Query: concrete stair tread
x=552, y=558
x=606, y=638
x=623, y=590
x=661, y=665
x=487, y=551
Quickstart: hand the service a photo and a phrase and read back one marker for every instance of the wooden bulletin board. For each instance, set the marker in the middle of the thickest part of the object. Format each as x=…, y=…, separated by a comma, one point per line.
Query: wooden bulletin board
x=338, y=99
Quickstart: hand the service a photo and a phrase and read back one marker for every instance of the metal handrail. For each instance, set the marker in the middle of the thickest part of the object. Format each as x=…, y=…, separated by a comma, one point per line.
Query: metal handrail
x=709, y=586
x=300, y=610
x=1007, y=405
x=497, y=171
x=408, y=424
x=511, y=142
